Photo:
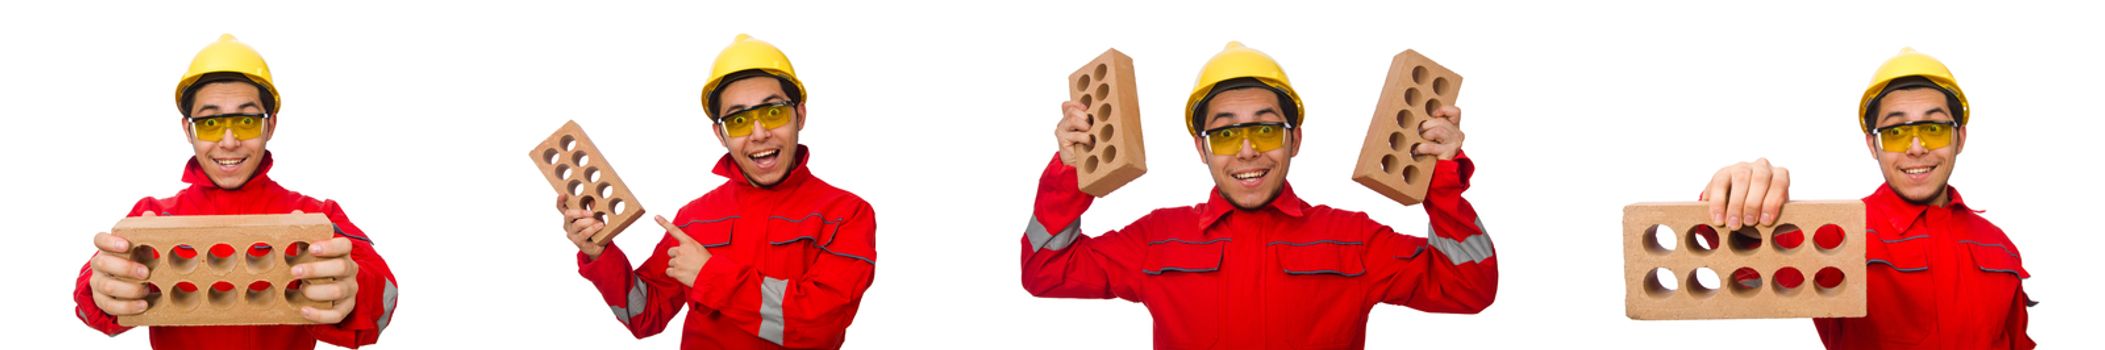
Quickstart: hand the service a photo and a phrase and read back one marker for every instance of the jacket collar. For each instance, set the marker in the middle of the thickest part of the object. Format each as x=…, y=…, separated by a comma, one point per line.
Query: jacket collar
x=1217, y=207
x=1901, y=213
x=798, y=173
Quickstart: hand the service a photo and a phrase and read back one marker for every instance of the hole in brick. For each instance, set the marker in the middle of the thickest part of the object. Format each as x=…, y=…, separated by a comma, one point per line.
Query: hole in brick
x=1082, y=84
x=586, y=203
x=1418, y=75
x=606, y=190
x=1091, y=146
x=1101, y=70
x=1089, y=165
x=1440, y=86
x=1103, y=92
x=1745, y=240
x=1786, y=238
x=146, y=255
x=1787, y=280
x=258, y=258
x=1110, y=153
x=1410, y=173
x=1103, y=113
x=1661, y=282
x=1829, y=280
x=182, y=258
x=577, y=187
x=562, y=171
x=185, y=293
x=1746, y=281
x=1659, y=239
x=294, y=251
x=1403, y=120
x=1828, y=237
x=1396, y=141
x=567, y=142
x=1388, y=164
x=1410, y=96
x=592, y=174
x=1702, y=239
x=1703, y=281
x=222, y=293
x=259, y=293
x=1104, y=133
x=1415, y=157
x=221, y=256
x=619, y=206
x=599, y=215
x=1088, y=100
x=1431, y=104
x=292, y=292
x=548, y=155
x=153, y=294
x=580, y=158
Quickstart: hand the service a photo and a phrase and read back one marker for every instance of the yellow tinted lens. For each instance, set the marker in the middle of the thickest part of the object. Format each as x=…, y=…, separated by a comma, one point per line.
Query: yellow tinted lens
x=773, y=116
x=739, y=125
x=246, y=128
x=1226, y=142
x=1265, y=138
x=1900, y=138
x=207, y=129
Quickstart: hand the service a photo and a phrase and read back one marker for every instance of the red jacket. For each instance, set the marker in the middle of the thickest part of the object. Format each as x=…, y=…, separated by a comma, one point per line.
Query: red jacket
x=376, y=285
x=788, y=266
x=1941, y=277
x=1286, y=276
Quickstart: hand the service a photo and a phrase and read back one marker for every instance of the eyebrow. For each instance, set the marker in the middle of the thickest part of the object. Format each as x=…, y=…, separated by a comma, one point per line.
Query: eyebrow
x=213, y=107
x=770, y=99
x=1266, y=110
x=1895, y=114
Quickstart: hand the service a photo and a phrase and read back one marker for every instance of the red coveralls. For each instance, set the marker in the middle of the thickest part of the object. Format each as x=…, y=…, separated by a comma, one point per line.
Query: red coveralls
x=1286, y=276
x=788, y=266
x=376, y=285
x=1941, y=277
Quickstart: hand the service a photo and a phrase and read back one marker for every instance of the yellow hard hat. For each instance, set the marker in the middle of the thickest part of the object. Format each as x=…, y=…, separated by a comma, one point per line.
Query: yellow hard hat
x=749, y=54
x=1235, y=62
x=229, y=56
x=1912, y=64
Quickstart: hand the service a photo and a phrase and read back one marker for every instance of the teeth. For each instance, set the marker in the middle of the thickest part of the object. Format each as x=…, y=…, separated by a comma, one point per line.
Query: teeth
x=765, y=154
x=227, y=161
x=1915, y=170
x=1248, y=175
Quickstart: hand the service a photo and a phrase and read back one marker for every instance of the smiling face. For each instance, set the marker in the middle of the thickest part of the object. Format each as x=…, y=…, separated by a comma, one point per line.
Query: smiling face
x=1917, y=174
x=231, y=161
x=1247, y=178
x=766, y=155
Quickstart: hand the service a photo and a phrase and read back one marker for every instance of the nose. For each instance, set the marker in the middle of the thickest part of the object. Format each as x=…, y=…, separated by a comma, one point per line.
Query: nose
x=759, y=132
x=227, y=139
x=1915, y=147
x=1246, y=150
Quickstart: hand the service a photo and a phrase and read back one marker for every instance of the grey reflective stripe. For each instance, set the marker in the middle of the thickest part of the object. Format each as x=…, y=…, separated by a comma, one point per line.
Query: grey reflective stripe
x=1041, y=239
x=387, y=305
x=814, y=240
x=771, y=293
x=1896, y=267
x=2011, y=272
x=1476, y=248
x=727, y=235
x=850, y=256
x=637, y=298
x=1905, y=239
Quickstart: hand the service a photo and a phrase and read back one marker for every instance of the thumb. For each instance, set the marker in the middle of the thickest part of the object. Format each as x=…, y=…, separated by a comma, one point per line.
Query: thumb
x=675, y=231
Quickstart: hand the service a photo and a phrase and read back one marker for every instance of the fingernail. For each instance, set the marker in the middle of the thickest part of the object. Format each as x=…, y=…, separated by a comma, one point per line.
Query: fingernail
x=299, y=271
x=1749, y=220
x=1717, y=217
x=1732, y=222
x=1768, y=218
x=140, y=272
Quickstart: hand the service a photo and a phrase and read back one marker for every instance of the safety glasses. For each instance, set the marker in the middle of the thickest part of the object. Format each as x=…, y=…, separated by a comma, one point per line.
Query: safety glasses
x=1934, y=134
x=772, y=115
x=1263, y=137
x=214, y=127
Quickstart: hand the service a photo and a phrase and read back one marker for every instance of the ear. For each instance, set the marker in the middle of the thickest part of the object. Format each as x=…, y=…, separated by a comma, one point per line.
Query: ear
x=1959, y=144
x=1871, y=143
x=718, y=130
x=800, y=116
x=186, y=129
x=1199, y=144
x=1293, y=143
x=270, y=128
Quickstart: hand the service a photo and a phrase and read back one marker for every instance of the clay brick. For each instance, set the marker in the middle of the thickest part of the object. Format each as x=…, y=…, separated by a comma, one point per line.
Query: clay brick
x=1416, y=86
x=576, y=168
x=1105, y=87
x=1690, y=245
x=259, y=251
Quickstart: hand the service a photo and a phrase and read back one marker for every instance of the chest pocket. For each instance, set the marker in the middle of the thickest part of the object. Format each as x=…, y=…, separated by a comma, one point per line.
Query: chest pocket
x=1184, y=291
x=1319, y=291
x=1997, y=259
x=1901, y=314
x=711, y=233
x=792, y=243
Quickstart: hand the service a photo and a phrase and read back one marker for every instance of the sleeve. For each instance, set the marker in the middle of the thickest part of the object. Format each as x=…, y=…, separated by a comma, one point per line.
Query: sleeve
x=2019, y=320
x=84, y=299
x=811, y=311
x=376, y=289
x=644, y=299
x=1454, y=268
x=1067, y=264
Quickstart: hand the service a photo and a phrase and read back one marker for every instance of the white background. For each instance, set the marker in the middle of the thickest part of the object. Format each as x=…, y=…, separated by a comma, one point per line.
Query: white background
x=417, y=115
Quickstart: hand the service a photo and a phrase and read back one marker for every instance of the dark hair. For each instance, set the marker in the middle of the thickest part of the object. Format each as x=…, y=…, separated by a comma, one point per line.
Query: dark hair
x=716, y=92
x=270, y=102
x=1286, y=104
x=1951, y=100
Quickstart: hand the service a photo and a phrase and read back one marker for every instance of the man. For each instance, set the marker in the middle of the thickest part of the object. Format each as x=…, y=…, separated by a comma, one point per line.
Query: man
x=1940, y=274
x=230, y=110
x=773, y=258
x=1254, y=266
